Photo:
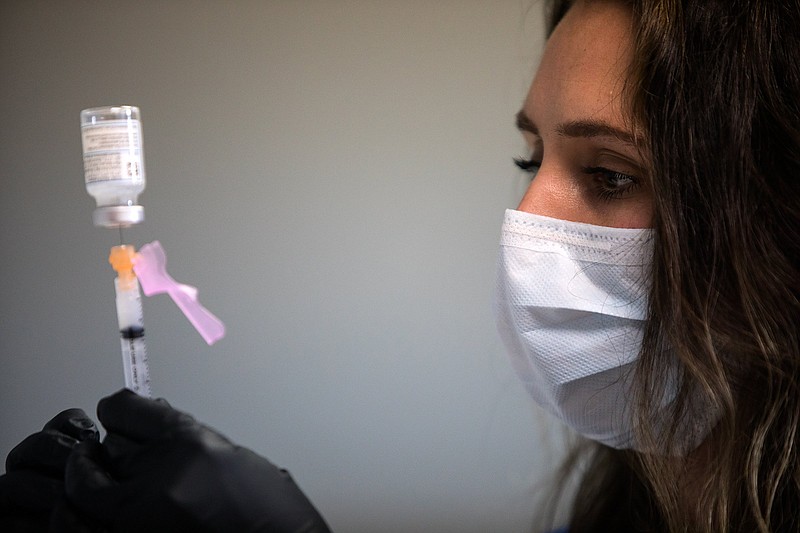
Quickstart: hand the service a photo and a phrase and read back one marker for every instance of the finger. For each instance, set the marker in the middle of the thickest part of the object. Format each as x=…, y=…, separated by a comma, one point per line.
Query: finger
x=75, y=423
x=29, y=491
x=45, y=451
x=116, y=445
x=163, y=401
x=138, y=418
x=122, y=454
x=88, y=485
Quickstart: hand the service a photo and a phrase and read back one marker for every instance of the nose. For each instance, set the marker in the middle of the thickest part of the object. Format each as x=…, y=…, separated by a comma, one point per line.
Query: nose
x=552, y=194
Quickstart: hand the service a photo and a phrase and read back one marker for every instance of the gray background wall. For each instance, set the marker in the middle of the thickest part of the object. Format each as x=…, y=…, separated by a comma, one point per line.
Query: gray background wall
x=331, y=175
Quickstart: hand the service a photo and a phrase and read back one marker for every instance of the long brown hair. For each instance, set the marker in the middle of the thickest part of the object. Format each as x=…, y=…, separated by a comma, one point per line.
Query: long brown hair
x=715, y=86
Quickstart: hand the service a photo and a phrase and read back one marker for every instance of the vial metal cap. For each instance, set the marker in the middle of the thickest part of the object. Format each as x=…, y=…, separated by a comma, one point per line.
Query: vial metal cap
x=118, y=216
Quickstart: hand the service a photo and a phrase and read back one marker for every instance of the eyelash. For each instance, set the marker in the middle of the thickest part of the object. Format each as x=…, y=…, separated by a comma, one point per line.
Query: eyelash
x=602, y=177
x=528, y=165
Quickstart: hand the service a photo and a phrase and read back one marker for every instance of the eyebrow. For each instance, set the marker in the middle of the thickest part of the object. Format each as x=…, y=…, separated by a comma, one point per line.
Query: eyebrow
x=579, y=128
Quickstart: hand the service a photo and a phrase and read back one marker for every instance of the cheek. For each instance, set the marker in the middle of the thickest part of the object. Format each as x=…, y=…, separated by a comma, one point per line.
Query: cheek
x=630, y=213
x=636, y=213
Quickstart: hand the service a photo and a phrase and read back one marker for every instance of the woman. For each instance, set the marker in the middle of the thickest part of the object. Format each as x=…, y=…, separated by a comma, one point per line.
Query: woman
x=648, y=294
x=709, y=94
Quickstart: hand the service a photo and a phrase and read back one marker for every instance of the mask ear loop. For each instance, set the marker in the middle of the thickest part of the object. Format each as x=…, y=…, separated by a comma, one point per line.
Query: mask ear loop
x=150, y=266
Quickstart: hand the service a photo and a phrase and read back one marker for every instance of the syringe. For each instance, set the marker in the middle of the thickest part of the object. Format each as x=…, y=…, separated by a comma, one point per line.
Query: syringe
x=131, y=324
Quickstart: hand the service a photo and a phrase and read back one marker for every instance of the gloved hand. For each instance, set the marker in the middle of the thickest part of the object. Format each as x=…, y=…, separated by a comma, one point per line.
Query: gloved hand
x=32, y=490
x=160, y=470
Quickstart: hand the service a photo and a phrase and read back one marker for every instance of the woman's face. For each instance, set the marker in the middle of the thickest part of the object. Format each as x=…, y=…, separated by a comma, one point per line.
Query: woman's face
x=588, y=167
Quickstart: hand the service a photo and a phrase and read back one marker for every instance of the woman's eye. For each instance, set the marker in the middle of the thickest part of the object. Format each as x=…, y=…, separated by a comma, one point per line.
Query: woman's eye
x=528, y=165
x=611, y=185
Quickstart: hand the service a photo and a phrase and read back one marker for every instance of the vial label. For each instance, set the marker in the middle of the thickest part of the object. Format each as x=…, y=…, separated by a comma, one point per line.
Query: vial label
x=112, y=151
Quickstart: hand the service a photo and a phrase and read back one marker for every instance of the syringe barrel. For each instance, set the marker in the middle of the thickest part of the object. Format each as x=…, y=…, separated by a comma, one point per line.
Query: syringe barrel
x=131, y=326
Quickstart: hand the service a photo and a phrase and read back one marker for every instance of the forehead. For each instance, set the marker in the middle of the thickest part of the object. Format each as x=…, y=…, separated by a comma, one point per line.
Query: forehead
x=584, y=66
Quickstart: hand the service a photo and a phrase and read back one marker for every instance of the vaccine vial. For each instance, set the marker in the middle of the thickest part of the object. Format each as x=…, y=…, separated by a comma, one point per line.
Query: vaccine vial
x=113, y=163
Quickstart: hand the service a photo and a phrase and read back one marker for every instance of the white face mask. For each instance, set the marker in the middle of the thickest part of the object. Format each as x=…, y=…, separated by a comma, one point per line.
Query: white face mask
x=570, y=305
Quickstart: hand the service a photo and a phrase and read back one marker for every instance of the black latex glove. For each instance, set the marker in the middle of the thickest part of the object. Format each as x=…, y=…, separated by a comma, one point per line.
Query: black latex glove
x=32, y=490
x=160, y=470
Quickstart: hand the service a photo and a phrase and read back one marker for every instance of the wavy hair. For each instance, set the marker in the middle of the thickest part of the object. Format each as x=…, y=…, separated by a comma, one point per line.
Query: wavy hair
x=715, y=87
